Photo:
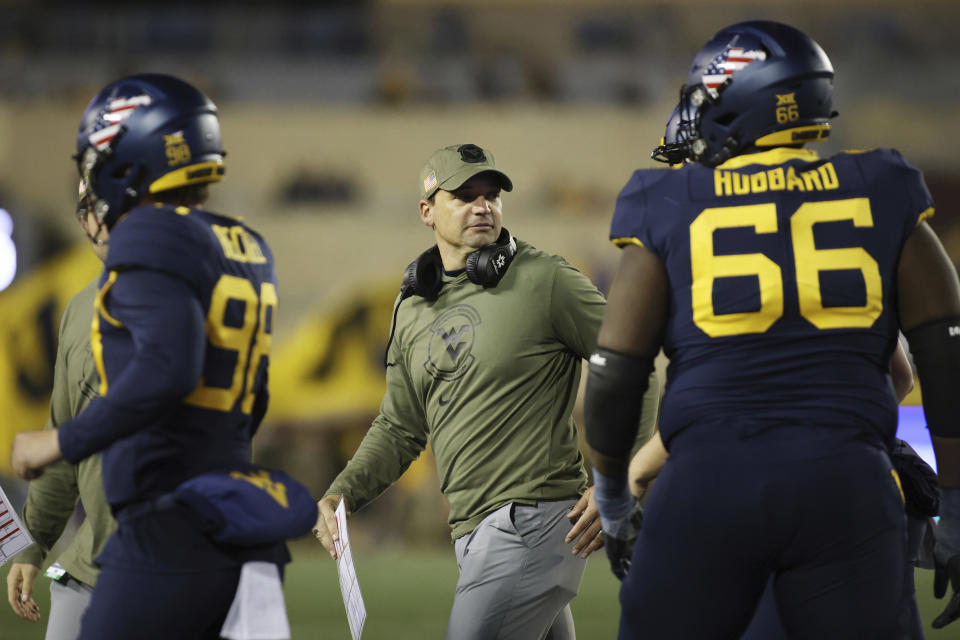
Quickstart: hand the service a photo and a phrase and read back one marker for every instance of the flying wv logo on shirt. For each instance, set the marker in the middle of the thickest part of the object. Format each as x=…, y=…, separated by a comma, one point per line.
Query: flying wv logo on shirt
x=728, y=62
x=453, y=340
x=452, y=337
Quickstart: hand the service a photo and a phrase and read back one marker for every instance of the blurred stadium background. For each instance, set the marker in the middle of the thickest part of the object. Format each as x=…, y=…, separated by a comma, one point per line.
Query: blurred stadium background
x=328, y=111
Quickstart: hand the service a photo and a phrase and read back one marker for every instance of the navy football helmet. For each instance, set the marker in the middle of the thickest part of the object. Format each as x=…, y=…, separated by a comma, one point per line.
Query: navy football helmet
x=762, y=84
x=142, y=135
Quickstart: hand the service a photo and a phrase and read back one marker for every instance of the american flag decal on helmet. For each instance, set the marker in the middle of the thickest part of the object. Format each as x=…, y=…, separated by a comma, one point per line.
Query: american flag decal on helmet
x=108, y=122
x=728, y=62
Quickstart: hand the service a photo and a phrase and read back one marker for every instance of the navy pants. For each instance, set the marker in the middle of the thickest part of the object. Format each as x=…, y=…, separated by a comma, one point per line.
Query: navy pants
x=766, y=623
x=820, y=509
x=137, y=605
x=162, y=579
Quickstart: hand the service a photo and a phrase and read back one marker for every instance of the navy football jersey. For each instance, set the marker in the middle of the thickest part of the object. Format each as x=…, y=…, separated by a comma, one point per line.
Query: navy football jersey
x=226, y=269
x=782, y=283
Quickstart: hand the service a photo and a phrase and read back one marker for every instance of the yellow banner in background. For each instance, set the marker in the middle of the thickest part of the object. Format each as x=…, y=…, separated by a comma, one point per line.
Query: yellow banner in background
x=331, y=367
x=30, y=312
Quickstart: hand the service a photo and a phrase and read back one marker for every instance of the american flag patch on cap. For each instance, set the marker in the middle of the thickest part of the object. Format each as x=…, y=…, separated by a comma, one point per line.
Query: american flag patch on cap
x=430, y=182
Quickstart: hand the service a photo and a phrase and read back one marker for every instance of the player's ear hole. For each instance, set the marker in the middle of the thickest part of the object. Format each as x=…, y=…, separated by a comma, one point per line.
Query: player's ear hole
x=725, y=119
x=121, y=172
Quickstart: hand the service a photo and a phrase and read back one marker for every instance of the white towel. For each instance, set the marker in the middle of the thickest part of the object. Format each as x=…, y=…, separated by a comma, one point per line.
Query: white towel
x=258, y=611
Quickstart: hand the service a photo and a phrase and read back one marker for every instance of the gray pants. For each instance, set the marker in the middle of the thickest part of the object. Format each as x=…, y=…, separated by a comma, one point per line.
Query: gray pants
x=68, y=602
x=517, y=576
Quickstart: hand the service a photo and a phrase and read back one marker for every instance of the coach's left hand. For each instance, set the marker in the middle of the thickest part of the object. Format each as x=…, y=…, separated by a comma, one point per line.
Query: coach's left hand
x=34, y=450
x=586, y=533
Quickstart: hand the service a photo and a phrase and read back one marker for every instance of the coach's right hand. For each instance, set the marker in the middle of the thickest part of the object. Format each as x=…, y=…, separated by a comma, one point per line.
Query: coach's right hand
x=20, y=590
x=326, y=530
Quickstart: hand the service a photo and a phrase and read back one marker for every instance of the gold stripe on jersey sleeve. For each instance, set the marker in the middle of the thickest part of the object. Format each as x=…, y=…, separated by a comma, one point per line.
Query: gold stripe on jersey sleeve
x=96, y=345
x=622, y=242
x=99, y=305
x=96, y=338
x=925, y=214
x=896, y=478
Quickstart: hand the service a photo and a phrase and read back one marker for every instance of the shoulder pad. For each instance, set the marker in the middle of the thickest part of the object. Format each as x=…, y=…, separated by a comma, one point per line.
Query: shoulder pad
x=161, y=238
x=630, y=216
x=888, y=167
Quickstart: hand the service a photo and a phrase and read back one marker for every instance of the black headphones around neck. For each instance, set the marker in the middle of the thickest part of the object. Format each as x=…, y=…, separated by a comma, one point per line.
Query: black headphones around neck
x=486, y=266
x=424, y=276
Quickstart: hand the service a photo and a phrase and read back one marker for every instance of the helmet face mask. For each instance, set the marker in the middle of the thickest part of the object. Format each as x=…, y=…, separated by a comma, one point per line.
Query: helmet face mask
x=681, y=142
x=143, y=135
x=89, y=164
x=754, y=84
x=671, y=150
x=85, y=200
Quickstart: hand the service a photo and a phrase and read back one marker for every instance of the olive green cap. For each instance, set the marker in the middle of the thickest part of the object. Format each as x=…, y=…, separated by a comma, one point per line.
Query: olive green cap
x=448, y=168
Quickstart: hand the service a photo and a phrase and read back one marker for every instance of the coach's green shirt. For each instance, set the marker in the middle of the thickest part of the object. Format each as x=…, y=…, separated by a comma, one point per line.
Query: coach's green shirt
x=490, y=378
x=52, y=497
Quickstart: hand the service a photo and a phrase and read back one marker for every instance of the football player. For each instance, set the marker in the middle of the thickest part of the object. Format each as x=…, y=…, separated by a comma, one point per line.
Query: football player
x=181, y=334
x=921, y=495
x=776, y=282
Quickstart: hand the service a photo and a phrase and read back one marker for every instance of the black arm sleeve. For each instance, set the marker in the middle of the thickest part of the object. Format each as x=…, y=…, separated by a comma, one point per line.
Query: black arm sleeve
x=936, y=352
x=614, y=400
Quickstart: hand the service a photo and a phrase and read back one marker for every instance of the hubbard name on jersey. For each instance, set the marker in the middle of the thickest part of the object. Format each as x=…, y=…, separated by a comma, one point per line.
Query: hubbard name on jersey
x=228, y=269
x=782, y=270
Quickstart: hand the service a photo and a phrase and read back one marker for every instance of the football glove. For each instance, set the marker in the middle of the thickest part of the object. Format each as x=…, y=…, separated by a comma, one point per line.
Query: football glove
x=943, y=575
x=620, y=550
x=947, y=556
x=918, y=481
x=621, y=516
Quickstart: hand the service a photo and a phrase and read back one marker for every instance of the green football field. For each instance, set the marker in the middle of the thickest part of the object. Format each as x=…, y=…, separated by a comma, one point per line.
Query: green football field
x=408, y=596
